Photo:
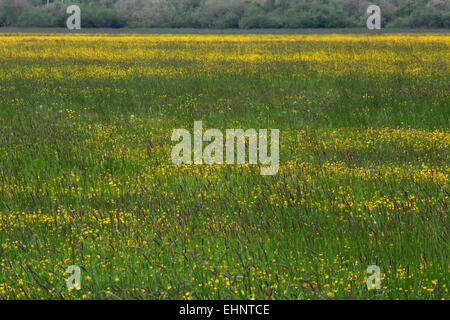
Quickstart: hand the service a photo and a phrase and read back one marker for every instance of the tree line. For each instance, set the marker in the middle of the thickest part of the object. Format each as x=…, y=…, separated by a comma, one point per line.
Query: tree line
x=223, y=14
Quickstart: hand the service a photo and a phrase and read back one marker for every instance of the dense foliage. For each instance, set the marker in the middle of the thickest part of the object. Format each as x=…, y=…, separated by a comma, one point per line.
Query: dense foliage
x=226, y=14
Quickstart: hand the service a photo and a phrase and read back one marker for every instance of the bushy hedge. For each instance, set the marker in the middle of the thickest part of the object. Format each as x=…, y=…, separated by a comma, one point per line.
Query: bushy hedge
x=226, y=13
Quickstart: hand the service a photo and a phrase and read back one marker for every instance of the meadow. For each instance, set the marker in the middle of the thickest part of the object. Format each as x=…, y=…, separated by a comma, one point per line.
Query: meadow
x=86, y=176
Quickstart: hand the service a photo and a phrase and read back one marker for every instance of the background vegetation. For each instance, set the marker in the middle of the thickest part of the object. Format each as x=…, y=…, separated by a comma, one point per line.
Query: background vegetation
x=226, y=14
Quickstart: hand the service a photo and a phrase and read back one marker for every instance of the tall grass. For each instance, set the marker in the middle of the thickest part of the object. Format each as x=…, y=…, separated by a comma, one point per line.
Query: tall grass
x=86, y=177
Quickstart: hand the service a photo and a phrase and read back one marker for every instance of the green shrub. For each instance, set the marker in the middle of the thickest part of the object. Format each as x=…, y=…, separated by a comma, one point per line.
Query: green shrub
x=226, y=13
x=36, y=17
x=9, y=13
x=97, y=15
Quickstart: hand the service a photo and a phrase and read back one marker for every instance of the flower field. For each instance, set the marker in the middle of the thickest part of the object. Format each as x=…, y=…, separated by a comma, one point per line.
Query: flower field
x=86, y=176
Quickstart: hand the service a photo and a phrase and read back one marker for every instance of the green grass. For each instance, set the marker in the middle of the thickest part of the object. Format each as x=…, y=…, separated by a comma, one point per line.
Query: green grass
x=363, y=178
x=218, y=31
